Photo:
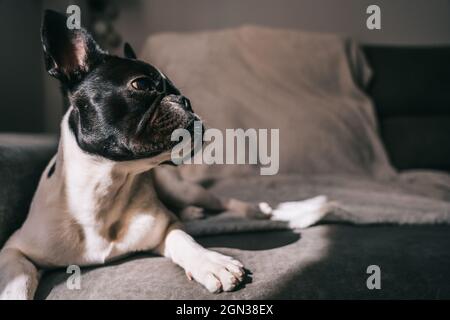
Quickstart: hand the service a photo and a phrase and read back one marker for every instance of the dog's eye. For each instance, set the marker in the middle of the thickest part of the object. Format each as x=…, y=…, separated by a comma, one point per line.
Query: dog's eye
x=141, y=84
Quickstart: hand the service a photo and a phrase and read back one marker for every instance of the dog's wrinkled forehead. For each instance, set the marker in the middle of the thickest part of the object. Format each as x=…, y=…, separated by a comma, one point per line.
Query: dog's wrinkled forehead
x=118, y=73
x=110, y=87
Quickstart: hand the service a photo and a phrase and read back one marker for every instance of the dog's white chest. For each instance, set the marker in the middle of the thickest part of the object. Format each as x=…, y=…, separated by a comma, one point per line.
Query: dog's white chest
x=119, y=214
x=88, y=214
x=143, y=232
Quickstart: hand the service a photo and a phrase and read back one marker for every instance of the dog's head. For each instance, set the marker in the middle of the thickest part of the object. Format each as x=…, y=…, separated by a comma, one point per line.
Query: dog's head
x=121, y=108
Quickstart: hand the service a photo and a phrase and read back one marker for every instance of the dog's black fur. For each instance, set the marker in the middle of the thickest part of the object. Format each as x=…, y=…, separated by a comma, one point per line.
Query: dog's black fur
x=120, y=106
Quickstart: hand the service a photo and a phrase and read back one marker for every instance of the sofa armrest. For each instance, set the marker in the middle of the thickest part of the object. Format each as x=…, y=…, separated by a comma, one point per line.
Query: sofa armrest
x=22, y=160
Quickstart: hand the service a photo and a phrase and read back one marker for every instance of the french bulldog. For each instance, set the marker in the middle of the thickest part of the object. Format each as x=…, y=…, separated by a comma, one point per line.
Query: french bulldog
x=100, y=197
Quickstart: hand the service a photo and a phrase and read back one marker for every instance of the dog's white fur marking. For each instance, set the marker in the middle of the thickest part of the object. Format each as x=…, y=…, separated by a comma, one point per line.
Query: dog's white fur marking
x=16, y=288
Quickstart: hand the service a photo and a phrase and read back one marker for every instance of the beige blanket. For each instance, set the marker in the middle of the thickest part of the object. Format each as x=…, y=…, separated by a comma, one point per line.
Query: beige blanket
x=307, y=85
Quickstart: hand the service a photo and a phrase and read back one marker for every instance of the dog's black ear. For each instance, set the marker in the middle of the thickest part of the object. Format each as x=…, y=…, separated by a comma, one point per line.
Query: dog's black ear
x=69, y=54
x=128, y=51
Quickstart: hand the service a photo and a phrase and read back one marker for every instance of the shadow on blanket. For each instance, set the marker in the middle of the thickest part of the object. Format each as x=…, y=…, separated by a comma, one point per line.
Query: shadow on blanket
x=252, y=241
x=414, y=263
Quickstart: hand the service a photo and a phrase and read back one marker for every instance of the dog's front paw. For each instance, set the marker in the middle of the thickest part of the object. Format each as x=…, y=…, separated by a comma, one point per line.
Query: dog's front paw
x=217, y=272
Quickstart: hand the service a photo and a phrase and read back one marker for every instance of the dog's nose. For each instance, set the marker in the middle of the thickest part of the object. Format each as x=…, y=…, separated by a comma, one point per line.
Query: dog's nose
x=180, y=100
x=186, y=103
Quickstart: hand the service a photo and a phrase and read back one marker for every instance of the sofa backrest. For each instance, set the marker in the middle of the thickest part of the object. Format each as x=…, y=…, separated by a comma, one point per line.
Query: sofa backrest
x=411, y=90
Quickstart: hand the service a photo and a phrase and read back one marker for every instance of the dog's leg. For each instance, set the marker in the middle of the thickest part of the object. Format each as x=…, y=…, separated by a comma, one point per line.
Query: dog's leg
x=215, y=271
x=191, y=200
x=303, y=214
x=18, y=276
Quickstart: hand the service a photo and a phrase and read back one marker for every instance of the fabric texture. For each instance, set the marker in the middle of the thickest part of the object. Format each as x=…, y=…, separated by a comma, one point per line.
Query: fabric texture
x=417, y=141
x=410, y=88
x=421, y=197
x=306, y=85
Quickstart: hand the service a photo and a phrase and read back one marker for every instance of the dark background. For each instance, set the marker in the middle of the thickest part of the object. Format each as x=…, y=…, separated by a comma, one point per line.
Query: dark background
x=30, y=100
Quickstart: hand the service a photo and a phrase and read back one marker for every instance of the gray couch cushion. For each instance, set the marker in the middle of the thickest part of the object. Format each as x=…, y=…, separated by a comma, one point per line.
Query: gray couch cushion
x=22, y=160
x=323, y=262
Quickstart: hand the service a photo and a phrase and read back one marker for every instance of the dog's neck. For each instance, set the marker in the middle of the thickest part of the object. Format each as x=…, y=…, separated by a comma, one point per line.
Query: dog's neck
x=92, y=185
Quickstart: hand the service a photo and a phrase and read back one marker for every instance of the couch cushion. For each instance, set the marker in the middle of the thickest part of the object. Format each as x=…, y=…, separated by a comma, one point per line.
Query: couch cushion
x=22, y=160
x=411, y=91
x=418, y=142
x=323, y=262
x=410, y=80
